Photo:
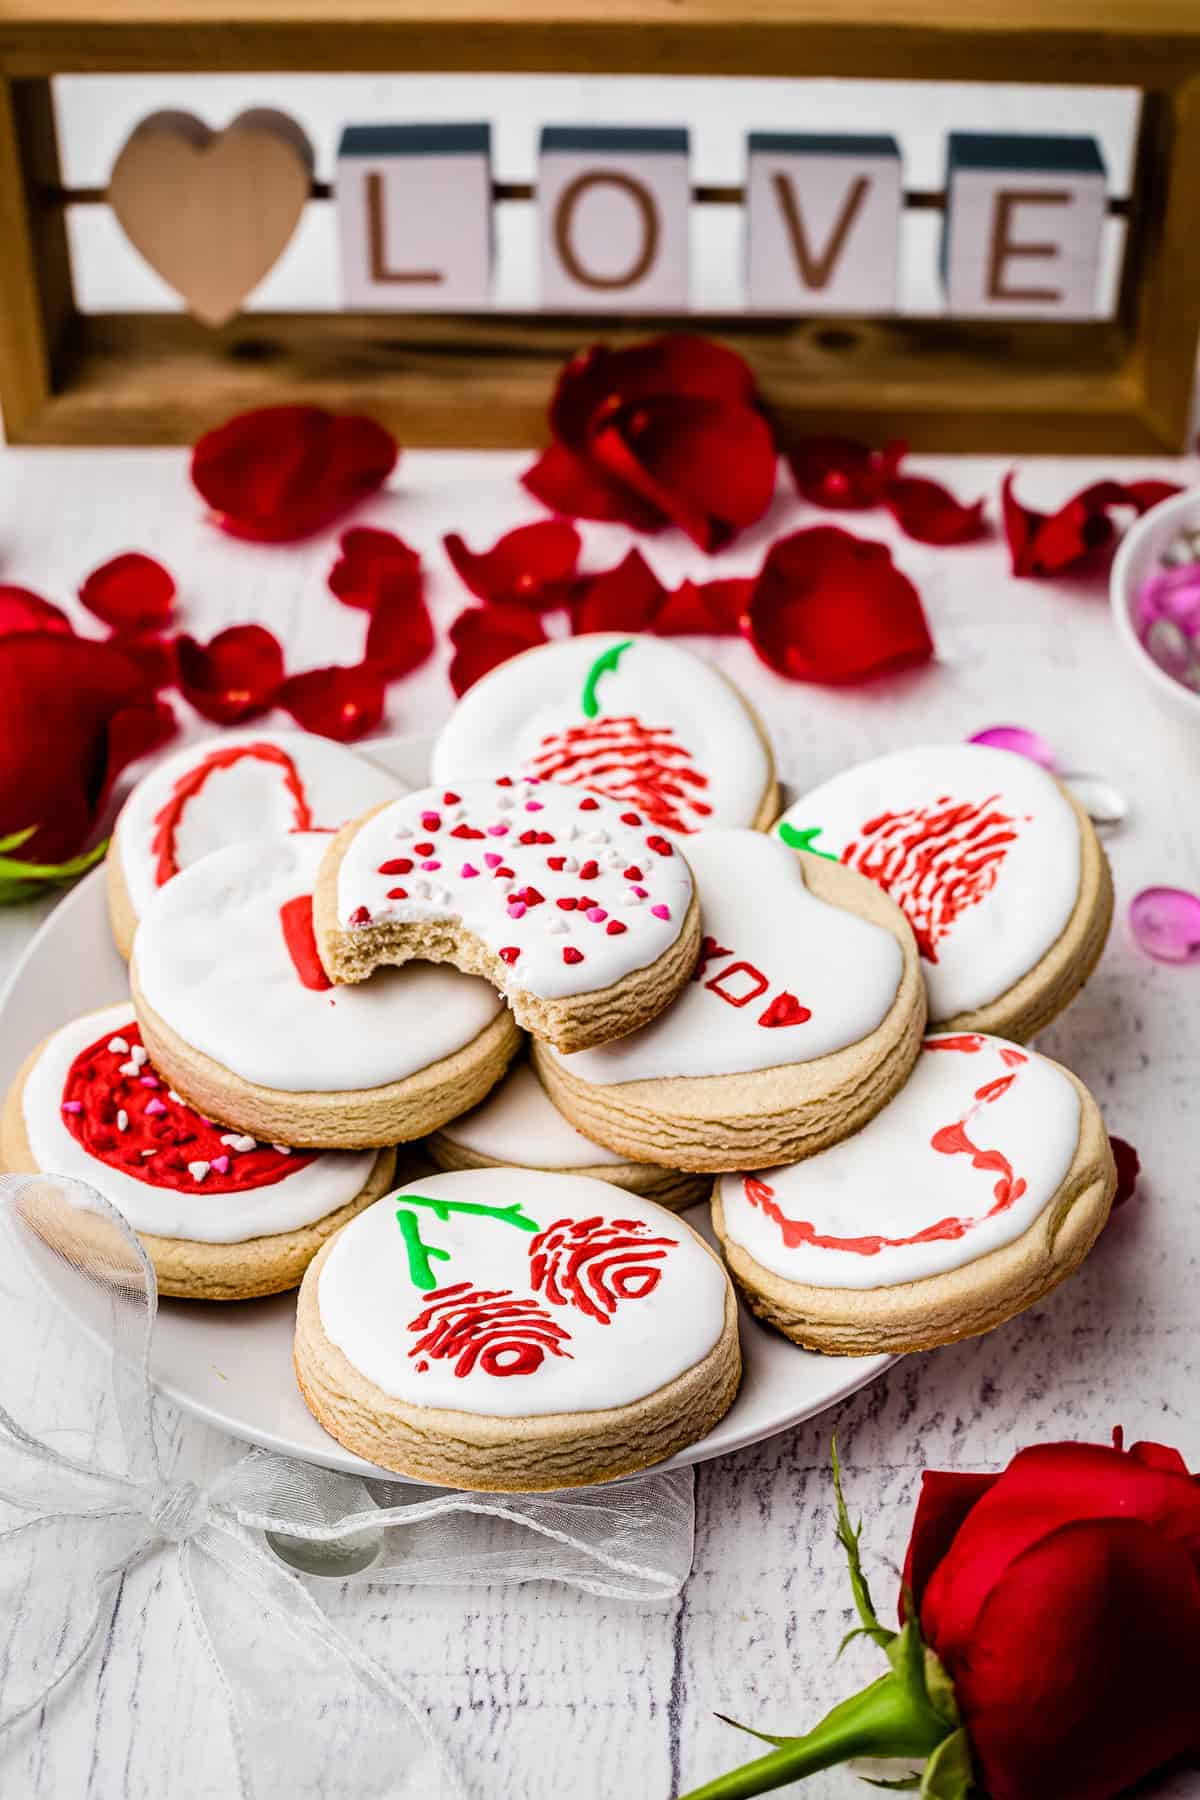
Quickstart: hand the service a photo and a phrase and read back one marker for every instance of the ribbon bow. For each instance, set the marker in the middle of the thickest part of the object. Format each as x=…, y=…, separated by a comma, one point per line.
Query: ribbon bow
x=318, y=1714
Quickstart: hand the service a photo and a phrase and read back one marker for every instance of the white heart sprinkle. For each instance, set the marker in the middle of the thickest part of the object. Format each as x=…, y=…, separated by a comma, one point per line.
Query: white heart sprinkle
x=597, y=837
x=238, y=1141
x=555, y=924
x=283, y=1149
x=122, y=1120
x=128, y=1068
x=571, y=865
x=140, y=1054
x=118, y=1046
x=177, y=1098
x=632, y=899
x=198, y=1170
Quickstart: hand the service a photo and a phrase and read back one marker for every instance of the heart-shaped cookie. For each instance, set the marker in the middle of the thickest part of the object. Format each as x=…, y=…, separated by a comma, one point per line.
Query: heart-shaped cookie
x=212, y=212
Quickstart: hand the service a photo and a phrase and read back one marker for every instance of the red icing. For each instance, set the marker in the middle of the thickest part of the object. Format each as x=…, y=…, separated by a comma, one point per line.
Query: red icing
x=627, y=760
x=594, y=1264
x=710, y=949
x=167, y=820
x=784, y=1009
x=935, y=861
x=296, y=918
x=949, y=1140
x=739, y=996
x=176, y=1135
x=572, y=955
x=505, y=1336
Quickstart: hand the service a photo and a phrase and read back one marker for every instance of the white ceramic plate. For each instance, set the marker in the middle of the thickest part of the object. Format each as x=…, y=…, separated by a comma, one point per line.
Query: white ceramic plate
x=231, y=1365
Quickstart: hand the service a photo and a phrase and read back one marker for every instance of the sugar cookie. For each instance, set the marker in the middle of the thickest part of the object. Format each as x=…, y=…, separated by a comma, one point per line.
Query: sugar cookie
x=997, y=867
x=803, y=1017
x=509, y=1329
x=518, y=1126
x=575, y=908
x=221, y=1216
x=978, y=1189
x=243, y=784
x=636, y=718
x=239, y=1015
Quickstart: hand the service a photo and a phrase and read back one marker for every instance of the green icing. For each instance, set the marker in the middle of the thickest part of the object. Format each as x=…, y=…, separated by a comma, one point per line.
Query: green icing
x=507, y=1215
x=603, y=665
x=420, y=1254
x=803, y=840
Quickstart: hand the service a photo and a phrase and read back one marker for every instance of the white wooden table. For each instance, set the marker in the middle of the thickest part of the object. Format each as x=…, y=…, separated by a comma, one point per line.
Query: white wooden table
x=543, y=1690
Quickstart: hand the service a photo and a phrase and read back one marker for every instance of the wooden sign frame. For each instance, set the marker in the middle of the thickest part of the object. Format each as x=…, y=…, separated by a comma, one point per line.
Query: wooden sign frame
x=1119, y=385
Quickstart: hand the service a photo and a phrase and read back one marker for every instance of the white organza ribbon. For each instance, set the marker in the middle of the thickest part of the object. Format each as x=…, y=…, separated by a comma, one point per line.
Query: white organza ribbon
x=319, y=1706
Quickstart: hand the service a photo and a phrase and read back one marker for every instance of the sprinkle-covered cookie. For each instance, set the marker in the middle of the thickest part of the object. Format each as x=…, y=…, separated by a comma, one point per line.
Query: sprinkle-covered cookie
x=997, y=868
x=244, y=784
x=802, y=1017
x=578, y=909
x=637, y=718
x=222, y=1215
x=980, y=1187
x=513, y=1329
x=518, y=1126
x=236, y=1010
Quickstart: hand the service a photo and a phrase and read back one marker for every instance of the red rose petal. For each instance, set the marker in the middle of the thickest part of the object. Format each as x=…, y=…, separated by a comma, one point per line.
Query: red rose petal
x=1142, y=495
x=233, y=677
x=371, y=560
x=1129, y=1167
x=928, y=512
x=530, y=566
x=486, y=635
x=833, y=608
x=1049, y=543
x=841, y=472
x=130, y=593
x=942, y=1505
x=400, y=636
x=283, y=472
x=563, y=482
x=157, y=657
x=712, y=608
x=678, y=363
x=76, y=713
x=336, y=702
x=709, y=467
x=23, y=610
x=626, y=597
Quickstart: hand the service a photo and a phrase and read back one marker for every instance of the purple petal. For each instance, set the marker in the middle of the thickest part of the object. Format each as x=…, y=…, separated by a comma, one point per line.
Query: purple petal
x=1166, y=924
x=1019, y=741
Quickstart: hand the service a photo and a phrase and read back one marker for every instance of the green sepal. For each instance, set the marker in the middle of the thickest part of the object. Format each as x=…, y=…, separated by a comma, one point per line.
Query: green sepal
x=804, y=840
x=940, y=1689
x=848, y=1536
x=909, y=1785
x=21, y=880
x=764, y=1737
x=949, y=1773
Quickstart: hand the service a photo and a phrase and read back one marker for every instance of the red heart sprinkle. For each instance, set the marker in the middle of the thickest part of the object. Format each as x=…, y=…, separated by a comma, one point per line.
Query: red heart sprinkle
x=449, y=799
x=568, y=904
x=528, y=837
x=510, y=953
x=397, y=893
x=590, y=870
x=466, y=831
x=588, y=805
x=614, y=928
x=660, y=845
x=545, y=837
x=633, y=873
x=571, y=954
x=556, y=863
x=431, y=820
x=784, y=1009
x=399, y=865
x=360, y=916
x=423, y=849
x=504, y=781
x=505, y=871
x=585, y=900
x=531, y=897
x=631, y=818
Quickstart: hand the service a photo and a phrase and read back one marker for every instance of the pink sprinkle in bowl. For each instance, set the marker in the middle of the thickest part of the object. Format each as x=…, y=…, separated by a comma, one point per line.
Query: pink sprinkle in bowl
x=1138, y=557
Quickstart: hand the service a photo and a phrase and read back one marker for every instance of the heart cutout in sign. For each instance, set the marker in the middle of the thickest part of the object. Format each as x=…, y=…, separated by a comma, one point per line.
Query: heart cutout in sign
x=212, y=212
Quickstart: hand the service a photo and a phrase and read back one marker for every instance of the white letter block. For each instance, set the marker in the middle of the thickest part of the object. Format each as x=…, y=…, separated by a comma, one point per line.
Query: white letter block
x=1024, y=218
x=613, y=209
x=414, y=205
x=822, y=223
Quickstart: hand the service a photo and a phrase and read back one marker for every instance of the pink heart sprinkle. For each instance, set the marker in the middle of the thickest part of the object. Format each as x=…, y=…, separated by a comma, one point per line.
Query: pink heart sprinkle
x=492, y=859
x=153, y=1108
x=72, y=1106
x=220, y=1164
x=431, y=820
x=596, y=914
x=433, y=863
x=534, y=806
x=148, y=1080
x=469, y=869
x=498, y=830
x=516, y=909
x=1016, y=738
x=641, y=892
x=661, y=912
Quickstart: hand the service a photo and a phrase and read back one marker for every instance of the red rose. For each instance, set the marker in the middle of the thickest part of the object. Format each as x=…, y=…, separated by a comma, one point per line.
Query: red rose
x=1063, y=1598
x=76, y=712
x=667, y=432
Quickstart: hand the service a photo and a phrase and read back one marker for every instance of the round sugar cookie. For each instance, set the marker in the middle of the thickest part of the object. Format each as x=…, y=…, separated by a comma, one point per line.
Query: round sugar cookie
x=515, y=1330
x=518, y=1126
x=998, y=869
x=222, y=1217
x=802, y=1018
x=979, y=1188
x=576, y=908
x=239, y=1015
x=243, y=784
x=637, y=718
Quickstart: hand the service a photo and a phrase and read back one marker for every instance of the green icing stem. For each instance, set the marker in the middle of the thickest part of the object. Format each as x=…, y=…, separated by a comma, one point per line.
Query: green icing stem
x=803, y=840
x=603, y=664
x=420, y=1254
x=441, y=1209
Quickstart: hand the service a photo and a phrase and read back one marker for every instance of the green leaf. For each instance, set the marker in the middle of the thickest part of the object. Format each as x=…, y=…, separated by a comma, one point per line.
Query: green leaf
x=804, y=840
x=949, y=1774
x=25, y=880
x=607, y=661
x=848, y=1536
x=16, y=837
x=764, y=1737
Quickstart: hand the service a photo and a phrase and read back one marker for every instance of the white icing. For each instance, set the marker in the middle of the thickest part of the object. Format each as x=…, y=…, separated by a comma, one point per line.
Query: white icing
x=518, y=1123
x=247, y=800
x=888, y=1181
x=318, y=1188
x=777, y=940
x=502, y=723
x=998, y=939
x=367, y=1297
x=212, y=962
x=463, y=879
